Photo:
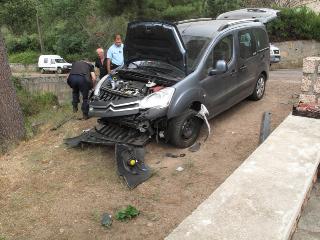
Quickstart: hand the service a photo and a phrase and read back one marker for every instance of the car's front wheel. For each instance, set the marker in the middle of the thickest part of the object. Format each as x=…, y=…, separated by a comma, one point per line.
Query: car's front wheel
x=259, y=88
x=184, y=130
x=59, y=70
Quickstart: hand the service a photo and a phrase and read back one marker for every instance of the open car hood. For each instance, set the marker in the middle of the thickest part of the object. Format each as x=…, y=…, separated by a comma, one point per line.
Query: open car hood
x=152, y=40
x=264, y=15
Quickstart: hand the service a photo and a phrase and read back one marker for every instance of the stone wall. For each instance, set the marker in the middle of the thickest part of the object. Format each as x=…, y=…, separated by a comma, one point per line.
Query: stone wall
x=20, y=68
x=57, y=84
x=310, y=86
x=293, y=53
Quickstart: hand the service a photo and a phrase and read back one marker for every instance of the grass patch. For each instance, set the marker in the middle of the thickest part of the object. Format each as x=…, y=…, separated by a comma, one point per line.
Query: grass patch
x=2, y=237
x=127, y=213
x=39, y=108
x=27, y=57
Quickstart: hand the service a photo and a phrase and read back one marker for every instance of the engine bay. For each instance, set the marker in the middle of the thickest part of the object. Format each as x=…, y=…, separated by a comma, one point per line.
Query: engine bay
x=134, y=84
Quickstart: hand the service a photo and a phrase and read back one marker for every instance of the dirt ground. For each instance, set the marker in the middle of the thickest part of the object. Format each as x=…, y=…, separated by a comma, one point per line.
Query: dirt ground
x=51, y=192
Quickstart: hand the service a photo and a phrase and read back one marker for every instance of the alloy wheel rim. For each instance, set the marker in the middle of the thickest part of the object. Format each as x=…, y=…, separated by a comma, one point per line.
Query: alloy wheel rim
x=260, y=87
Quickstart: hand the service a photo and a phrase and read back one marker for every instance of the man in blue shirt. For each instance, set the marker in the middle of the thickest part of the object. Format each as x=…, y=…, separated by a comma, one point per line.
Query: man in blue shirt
x=115, y=54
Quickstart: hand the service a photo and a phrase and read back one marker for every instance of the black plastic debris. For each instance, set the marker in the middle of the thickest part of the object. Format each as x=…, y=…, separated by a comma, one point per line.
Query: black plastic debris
x=195, y=147
x=131, y=166
x=109, y=135
x=106, y=220
x=171, y=155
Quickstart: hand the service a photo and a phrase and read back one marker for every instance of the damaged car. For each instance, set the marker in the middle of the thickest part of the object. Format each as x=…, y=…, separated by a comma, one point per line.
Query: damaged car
x=176, y=76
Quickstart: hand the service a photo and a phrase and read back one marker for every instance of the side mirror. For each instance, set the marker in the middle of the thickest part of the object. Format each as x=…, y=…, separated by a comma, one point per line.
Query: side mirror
x=221, y=67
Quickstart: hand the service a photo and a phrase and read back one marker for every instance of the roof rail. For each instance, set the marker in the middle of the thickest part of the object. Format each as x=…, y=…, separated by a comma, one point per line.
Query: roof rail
x=235, y=22
x=193, y=20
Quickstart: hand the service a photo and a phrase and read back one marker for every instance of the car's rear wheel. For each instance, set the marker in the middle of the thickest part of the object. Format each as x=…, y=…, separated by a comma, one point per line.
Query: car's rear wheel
x=259, y=88
x=184, y=130
x=59, y=70
x=42, y=71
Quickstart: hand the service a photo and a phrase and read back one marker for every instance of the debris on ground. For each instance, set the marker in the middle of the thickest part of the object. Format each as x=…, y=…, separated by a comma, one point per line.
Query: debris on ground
x=171, y=155
x=180, y=169
x=61, y=123
x=311, y=110
x=265, y=127
x=130, y=164
x=106, y=220
x=195, y=147
x=127, y=213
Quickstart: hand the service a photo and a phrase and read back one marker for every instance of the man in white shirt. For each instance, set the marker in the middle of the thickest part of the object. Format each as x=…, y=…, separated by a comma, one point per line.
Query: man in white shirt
x=115, y=54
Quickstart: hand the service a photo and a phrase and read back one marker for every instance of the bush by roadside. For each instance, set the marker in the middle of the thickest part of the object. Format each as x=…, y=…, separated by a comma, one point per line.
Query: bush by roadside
x=295, y=24
x=27, y=57
x=38, y=109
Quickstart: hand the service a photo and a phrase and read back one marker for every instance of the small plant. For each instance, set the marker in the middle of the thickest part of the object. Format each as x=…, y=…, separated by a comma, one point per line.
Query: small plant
x=127, y=213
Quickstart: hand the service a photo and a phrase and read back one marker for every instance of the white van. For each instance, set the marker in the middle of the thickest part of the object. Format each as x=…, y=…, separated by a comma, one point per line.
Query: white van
x=53, y=63
x=275, y=56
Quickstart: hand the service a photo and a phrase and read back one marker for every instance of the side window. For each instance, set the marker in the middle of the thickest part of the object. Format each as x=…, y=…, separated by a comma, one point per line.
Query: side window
x=247, y=44
x=45, y=60
x=222, y=51
x=52, y=61
x=261, y=38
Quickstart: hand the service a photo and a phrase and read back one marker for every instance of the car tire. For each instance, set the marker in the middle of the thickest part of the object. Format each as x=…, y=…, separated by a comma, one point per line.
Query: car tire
x=259, y=88
x=184, y=130
x=42, y=71
x=59, y=70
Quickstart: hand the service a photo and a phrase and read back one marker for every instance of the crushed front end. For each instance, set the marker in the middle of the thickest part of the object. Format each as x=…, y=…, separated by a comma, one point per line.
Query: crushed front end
x=133, y=99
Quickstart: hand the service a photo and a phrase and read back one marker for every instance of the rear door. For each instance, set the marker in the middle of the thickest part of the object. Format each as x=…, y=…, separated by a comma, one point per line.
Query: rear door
x=263, y=15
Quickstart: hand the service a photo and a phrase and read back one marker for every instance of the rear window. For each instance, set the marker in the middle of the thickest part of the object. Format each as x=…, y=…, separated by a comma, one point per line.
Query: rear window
x=246, y=43
x=261, y=38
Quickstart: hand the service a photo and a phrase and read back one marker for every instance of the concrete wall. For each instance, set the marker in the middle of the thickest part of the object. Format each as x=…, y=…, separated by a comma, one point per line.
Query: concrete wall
x=56, y=84
x=293, y=53
x=20, y=68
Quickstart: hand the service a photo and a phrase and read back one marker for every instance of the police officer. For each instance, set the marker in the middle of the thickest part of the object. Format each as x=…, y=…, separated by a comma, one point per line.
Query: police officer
x=81, y=79
x=115, y=54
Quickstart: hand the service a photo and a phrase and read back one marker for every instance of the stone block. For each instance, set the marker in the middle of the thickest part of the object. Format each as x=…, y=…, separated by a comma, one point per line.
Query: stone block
x=310, y=64
x=316, y=86
x=307, y=98
x=306, y=83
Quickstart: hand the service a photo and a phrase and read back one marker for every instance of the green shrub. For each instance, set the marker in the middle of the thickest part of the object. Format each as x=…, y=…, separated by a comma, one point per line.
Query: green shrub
x=127, y=213
x=27, y=57
x=295, y=24
x=32, y=104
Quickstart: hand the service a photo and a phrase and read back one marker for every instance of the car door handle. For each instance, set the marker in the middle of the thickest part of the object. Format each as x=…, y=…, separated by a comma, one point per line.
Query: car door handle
x=243, y=67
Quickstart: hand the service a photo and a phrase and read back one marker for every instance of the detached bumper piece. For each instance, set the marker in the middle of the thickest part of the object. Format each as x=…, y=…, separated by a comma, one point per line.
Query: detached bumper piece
x=130, y=163
x=129, y=149
x=109, y=135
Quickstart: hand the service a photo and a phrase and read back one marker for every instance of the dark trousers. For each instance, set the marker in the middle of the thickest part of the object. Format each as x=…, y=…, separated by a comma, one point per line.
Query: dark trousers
x=79, y=84
x=113, y=66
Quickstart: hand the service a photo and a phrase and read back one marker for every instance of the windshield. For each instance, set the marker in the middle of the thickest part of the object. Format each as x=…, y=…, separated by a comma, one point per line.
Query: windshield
x=60, y=60
x=196, y=46
x=157, y=67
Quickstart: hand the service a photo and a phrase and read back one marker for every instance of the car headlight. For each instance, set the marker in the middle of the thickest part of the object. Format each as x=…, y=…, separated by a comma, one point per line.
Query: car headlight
x=98, y=85
x=160, y=99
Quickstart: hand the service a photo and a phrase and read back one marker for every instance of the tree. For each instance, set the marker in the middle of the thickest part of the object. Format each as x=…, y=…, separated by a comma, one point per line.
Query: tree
x=216, y=7
x=11, y=120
